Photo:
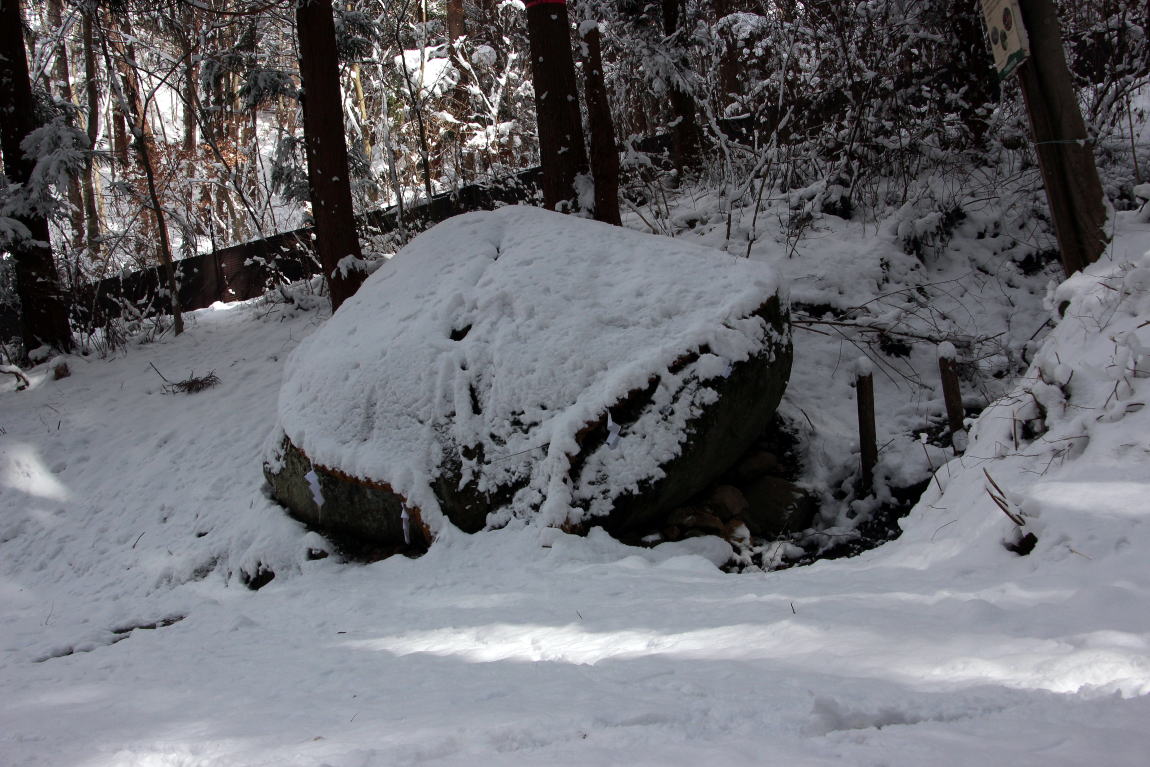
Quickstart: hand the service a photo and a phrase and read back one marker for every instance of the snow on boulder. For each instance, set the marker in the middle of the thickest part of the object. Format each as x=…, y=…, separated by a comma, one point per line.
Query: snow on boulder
x=526, y=364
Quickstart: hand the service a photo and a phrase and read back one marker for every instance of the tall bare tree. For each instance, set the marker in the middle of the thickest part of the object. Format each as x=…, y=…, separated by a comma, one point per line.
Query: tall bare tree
x=129, y=93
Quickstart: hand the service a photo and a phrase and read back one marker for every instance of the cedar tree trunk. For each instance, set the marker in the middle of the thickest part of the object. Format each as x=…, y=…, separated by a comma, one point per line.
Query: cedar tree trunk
x=62, y=75
x=685, y=135
x=92, y=103
x=561, y=149
x=132, y=103
x=327, y=169
x=44, y=310
x=604, y=155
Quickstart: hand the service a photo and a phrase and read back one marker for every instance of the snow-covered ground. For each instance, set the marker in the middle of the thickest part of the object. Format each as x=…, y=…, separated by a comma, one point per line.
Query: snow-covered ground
x=124, y=506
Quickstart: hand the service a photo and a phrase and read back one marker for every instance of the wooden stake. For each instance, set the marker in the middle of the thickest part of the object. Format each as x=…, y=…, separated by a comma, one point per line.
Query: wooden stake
x=868, y=443
x=951, y=394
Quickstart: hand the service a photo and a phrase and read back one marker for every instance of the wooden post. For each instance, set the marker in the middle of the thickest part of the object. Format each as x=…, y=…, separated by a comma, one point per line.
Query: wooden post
x=868, y=441
x=1077, y=202
x=951, y=394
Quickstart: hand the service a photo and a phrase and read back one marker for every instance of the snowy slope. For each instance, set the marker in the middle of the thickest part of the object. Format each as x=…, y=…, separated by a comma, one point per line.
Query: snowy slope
x=123, y=506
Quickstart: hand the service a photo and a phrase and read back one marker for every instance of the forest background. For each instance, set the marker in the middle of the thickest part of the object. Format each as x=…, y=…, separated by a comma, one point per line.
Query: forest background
x=162, y=130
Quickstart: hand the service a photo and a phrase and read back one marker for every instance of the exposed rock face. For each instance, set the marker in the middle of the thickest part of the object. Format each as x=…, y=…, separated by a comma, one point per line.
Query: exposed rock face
x=526, y=364
x=717, y=438
x=361, y=515
x=776, y=507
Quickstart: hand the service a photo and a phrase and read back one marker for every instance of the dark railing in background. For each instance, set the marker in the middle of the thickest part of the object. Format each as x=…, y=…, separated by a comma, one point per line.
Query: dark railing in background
x=250, y=269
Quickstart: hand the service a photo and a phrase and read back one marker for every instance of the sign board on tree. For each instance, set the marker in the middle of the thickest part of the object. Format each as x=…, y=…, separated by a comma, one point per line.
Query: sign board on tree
x=1008, y=37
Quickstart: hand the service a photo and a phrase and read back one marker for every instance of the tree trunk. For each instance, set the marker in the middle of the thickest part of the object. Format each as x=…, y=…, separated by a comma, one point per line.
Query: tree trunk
x=561, y=149
x=44, y=310
x=327, y=170
x=92, y=102
x=121, y=148
x=604, y=154
x=456, y=20
x=366, y=135
x=730, y=84
x=361, y=107
x=191, y=97
x=392, y=158
x=1077, y=202
x=133, y=106
x=460, y=101
x=685, y=136
x=62, y=76
x=415, y=99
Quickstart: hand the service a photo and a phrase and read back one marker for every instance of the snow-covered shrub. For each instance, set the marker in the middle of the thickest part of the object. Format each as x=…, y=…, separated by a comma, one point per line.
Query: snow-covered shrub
x=926, y=222
x=61, y=151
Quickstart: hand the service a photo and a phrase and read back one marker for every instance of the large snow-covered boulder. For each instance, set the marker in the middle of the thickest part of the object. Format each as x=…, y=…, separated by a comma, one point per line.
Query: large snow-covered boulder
x=526, y=364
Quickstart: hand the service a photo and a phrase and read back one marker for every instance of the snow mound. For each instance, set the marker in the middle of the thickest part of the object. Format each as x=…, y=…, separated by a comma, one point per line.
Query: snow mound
x=1065, y=452
x=488, y=346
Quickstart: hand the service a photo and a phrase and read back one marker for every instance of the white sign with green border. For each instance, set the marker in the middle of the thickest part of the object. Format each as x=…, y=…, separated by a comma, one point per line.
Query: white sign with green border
x=1008, y=37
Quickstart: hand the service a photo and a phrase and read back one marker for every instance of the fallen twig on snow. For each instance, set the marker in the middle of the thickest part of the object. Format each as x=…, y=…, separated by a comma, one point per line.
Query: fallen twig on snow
x=189, y=385
x=1000, y=500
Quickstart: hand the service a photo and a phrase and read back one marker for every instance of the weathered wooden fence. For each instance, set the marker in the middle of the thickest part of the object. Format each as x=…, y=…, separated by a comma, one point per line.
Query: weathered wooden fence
x=250, y=269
